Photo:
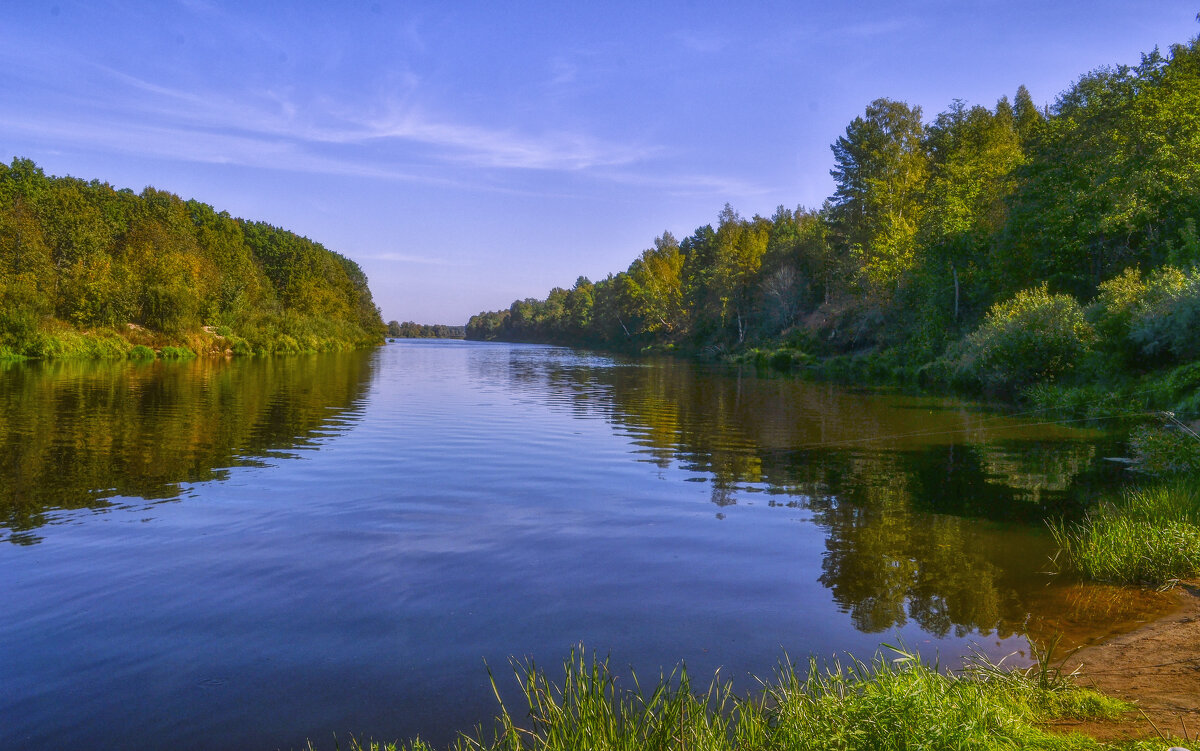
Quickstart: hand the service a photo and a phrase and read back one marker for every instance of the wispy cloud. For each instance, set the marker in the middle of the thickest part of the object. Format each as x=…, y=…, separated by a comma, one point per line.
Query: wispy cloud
x=396, y=139
x=690, y=184
x=869, y=29
x=489, y=147
x=273, y=114
x=409, y=258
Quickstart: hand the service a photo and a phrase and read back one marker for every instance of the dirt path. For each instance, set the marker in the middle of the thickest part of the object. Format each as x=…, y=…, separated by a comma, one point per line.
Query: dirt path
x=1157, y=667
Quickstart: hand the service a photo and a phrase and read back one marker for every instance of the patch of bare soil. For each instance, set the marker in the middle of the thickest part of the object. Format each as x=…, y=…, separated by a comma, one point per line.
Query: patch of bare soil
x=1156, y=667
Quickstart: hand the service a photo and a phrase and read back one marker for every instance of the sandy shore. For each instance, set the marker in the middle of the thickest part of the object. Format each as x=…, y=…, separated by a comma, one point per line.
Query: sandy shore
x=1157, y=667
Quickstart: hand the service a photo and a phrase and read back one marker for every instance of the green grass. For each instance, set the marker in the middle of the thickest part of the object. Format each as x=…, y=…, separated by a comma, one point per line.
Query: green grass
x=1149, y=535
x=895, y=702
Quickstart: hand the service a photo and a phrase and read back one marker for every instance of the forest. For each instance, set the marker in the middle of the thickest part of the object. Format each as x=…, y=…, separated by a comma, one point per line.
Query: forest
x=998, y=249
x=411, y=330
x=88, y=270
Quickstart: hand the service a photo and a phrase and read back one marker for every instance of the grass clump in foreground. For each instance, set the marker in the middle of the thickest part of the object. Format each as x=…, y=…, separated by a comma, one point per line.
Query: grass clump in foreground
x=1149, y=535
x=893, y=703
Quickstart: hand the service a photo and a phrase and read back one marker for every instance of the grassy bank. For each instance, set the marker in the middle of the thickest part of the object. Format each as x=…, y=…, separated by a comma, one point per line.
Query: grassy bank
x=896, y=702
x=1146, y=535
x=276, y=334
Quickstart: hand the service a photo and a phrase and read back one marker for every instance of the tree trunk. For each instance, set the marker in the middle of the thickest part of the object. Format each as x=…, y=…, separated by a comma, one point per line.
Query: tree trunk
x=954, y=271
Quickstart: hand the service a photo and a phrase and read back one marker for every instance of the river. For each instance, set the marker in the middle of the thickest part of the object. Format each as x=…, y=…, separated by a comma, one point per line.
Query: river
x=247, y=554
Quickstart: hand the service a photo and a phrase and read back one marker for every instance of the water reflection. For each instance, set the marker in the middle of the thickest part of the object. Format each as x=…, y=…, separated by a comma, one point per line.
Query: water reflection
x=491, y=500
x=934, y=509
x=79, y=435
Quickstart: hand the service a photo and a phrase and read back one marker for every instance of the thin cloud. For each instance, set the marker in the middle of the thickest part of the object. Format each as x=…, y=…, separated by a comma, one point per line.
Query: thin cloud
x=487, y=147
x=400, y=142
x=462, y=144
x=868, y=29
x=409, y=258
x=691, y=184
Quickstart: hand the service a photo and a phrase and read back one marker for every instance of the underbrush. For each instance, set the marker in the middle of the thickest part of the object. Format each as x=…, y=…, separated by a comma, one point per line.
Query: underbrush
x=273, y=333
x=1175, y=389
x=895, y=702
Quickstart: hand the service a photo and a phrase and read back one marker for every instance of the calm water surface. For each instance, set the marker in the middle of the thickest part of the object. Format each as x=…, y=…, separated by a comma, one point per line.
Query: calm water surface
x=252, y=553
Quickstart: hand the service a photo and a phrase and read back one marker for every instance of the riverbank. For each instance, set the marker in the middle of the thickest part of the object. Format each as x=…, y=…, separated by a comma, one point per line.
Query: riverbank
x=895, y=702
x=59, y=341
x=1155, y=667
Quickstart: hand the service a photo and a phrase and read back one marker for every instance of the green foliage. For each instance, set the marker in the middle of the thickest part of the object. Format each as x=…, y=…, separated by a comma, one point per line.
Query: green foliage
x=141, y=352
x=62, y=342
x=881, y=166
x=1035, y=336
x=1149, y=535
x=410, y=330
x=176, y=353
x=240, y=346
x=931, y=225
x=1164, y=324
x=895, y=702
x=1165, y=450
x=1111, y=175
x=83, y=254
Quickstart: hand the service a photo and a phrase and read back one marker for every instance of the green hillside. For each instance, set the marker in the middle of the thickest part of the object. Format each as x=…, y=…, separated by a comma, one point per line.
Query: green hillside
x=88, y=270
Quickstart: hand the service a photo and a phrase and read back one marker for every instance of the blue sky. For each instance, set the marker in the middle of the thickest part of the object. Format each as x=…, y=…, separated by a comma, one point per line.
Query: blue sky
x=467, y=154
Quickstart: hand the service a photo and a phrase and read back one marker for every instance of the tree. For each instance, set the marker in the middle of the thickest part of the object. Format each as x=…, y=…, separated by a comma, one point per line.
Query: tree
x=657, y=287
x=880, y=171
x=974, y=153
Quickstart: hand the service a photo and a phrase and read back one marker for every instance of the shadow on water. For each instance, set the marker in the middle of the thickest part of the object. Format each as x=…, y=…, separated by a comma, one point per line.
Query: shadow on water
x=83, y=435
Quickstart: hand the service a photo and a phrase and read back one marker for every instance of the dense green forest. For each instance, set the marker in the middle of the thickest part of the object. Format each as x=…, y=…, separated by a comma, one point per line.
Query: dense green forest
x=90, y=270
x=411, y=330
x=995, y=248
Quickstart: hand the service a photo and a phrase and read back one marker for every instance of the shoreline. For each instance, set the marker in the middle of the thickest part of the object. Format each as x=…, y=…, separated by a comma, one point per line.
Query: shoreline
x=1155, y=667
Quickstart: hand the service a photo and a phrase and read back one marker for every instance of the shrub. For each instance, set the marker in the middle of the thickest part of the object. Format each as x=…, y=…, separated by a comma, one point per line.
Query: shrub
x=17, y=329
x=1165, y=323
x=1036, y=336
x=240, y=346
x=286, y=344
x=141, y=352
x=176, y=353
x=1165, y=451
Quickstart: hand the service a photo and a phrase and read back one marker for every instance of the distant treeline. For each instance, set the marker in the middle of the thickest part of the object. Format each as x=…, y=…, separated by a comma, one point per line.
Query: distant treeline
x=410, y=330
x=90, y=270
x=997, y=247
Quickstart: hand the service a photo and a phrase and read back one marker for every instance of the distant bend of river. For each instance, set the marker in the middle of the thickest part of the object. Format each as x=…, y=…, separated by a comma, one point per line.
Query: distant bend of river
x=247, y=554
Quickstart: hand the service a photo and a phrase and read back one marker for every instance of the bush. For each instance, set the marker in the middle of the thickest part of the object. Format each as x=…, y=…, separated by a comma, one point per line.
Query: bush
x=1155, y=317
x=1165, y=324
x=286, y=344
x=17, y=329
x=141, y=352
x=176, y=353
x=1165, y=451
x=240, y=346
x=1034, y=337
